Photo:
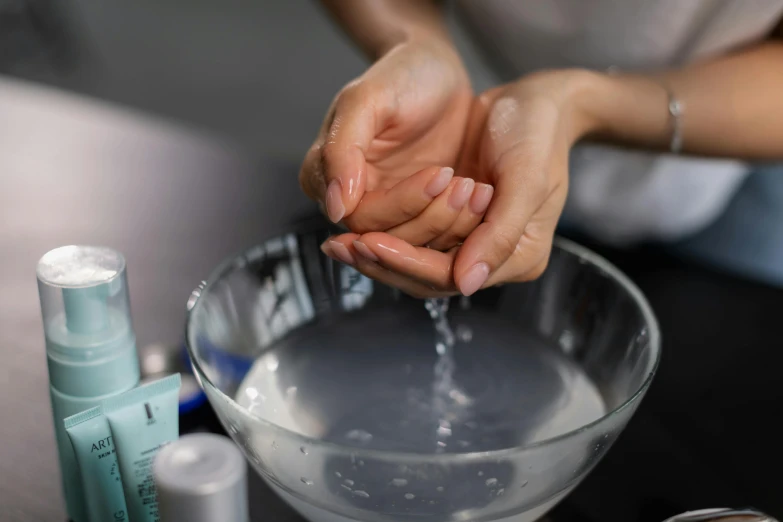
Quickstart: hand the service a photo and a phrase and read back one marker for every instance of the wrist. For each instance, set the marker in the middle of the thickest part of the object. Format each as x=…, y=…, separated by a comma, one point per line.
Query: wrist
x=623, y=109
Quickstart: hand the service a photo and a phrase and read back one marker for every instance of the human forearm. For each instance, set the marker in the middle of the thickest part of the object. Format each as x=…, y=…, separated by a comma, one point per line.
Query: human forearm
x=733, y=106
x=379, y=25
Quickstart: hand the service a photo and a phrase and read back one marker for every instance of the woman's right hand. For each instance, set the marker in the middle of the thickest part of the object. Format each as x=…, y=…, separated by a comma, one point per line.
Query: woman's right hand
x=384, y=149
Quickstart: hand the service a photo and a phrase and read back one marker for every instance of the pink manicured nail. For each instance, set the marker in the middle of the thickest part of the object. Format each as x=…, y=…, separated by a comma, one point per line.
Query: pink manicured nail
x=439, y=183
x=334, y=201
x=365, y=251
x=461, y=194
x=474, y=278
x=342, y=253
x=482, y=195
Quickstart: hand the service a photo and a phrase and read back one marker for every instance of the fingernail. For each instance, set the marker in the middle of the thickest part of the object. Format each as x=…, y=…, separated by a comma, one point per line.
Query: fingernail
x=439, y=183
x=365, y=251
x=334, y=201
x=461, y=194
x=326, y=249
x=482, y=195
x=474, y=278
x=342, y=253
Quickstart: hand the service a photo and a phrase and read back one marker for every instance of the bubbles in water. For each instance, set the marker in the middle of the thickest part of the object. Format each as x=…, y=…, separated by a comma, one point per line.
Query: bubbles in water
x=291, y=392
x=440, y=348
x=410, y=496
x=303, y=450
x=306, y=482
x=399, y=482
x=345, y=487
x=491, y=482
x=360, y=493
x=441, y=444
x=359, y=436
x=338, y=474
x=480, y=473
x=444, y=428
x=439, y=489
x=501, y=491
x=348, y=482
x=464, y=333
x=252, y=393
x=463, y=443
x=361, y=463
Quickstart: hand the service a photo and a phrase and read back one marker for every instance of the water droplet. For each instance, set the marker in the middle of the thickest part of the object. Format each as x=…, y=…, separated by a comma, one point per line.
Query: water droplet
x=439, y=489
x=464, y=333
x=491, y=481
x=252, y=393
x=399, y=482
x=440, y=348
x=303, y=450
x=348, y=482
x=480, y=473
x=360, y=493
x=444, y=428
x=359, y=436
x=523, y=484
x=410, y=496
x=338, y=474
x=501, y=491
x=345, y=487
x=306, y=482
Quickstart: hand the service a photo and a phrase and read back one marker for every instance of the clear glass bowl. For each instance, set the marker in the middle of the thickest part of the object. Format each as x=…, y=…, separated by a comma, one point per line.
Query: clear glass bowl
x=285, y=293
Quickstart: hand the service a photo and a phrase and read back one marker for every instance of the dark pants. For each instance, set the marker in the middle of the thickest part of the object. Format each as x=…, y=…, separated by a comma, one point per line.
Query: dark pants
x=709, y=432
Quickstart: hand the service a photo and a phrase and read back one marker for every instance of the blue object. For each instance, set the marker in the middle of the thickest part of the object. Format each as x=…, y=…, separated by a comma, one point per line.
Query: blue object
x=142, y=421
x=90, y=344
x=748, y=237
x=97, y=459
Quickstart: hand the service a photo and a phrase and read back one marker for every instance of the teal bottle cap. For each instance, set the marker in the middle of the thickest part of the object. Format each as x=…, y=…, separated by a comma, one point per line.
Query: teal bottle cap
x=87, y=322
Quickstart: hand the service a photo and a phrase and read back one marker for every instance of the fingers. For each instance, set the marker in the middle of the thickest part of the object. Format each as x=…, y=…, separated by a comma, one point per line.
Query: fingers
x=335, y=171
x=344, y=248
x=468, y=219
x=384, y=209
x=439, y=216
x=519, y=151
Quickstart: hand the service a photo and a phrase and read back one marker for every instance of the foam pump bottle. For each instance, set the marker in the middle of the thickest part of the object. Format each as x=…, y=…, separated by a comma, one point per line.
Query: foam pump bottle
x=90, y=344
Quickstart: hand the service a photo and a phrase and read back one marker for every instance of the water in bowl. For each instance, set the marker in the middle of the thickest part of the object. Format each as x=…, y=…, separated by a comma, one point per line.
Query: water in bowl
x=373, y=381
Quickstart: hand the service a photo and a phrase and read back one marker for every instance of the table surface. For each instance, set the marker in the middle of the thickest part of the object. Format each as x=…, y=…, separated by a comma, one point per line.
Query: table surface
x=174, y=202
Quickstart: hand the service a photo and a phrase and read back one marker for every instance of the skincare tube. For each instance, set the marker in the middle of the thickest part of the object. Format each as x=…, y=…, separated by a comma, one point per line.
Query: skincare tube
x=142, y=421
x=97, y=460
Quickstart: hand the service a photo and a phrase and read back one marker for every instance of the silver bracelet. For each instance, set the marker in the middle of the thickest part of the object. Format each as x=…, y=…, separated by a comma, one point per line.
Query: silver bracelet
x=676, y=110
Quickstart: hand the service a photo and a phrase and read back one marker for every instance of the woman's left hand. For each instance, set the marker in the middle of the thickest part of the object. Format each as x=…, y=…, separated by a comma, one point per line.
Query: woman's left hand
x=518, y=140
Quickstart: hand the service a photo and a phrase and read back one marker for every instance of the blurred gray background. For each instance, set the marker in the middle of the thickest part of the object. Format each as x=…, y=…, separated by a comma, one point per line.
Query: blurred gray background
x=261, y=72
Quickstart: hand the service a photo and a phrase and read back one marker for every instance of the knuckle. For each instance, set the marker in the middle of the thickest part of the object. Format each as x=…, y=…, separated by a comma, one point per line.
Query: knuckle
x=506, y=239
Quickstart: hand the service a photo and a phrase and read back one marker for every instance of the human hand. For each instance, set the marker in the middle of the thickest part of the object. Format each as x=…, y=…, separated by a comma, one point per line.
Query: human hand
x=379, y=158
x=518, y=140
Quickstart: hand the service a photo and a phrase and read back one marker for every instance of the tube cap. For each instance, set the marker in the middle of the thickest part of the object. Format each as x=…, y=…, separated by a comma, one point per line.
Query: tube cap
x=201, y=477
x=90, y=345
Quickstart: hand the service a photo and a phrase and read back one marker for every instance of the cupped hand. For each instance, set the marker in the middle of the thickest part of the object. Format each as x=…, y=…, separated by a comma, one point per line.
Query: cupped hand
x=402, y=121
x=518, y=141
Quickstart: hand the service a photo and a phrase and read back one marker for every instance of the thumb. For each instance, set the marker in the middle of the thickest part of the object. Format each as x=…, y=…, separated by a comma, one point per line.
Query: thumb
x=343, y=153
x=520, y=190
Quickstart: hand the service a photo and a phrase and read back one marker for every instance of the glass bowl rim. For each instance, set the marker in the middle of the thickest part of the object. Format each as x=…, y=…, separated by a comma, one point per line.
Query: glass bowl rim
x=572, y=248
